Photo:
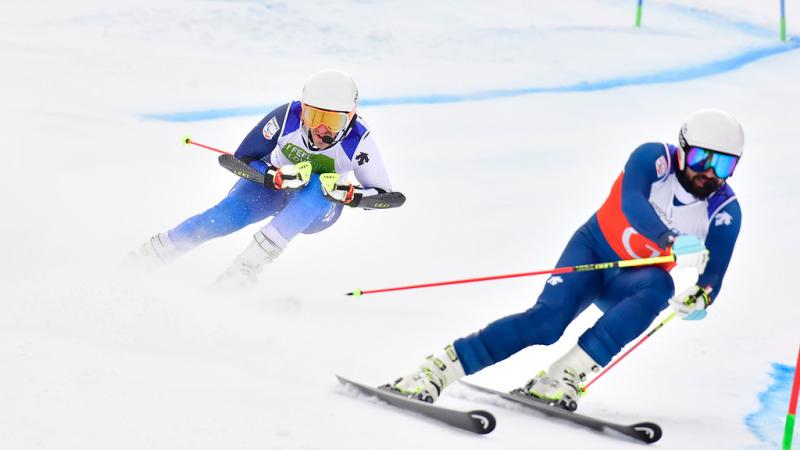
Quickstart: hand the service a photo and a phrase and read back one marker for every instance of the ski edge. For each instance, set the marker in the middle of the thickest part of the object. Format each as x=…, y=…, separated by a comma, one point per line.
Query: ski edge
x=476, y=421
x=647, y=432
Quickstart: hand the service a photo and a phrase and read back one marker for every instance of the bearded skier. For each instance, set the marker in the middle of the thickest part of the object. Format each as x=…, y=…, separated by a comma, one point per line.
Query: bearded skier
x=667, y=200
x=322, y=129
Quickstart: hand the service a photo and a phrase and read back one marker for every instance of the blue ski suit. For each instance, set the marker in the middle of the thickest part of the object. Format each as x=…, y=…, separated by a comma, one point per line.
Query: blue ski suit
x=646, y=205
x=279, y=139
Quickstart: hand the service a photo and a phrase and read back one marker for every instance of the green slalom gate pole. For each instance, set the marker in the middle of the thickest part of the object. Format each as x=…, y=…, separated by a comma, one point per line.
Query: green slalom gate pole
x=783, y=20
x=788, y=430
x=558, y=270
x=639, y=14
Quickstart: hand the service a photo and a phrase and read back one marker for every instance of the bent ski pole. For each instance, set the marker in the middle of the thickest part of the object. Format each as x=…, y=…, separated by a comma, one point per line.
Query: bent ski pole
x=556, y=271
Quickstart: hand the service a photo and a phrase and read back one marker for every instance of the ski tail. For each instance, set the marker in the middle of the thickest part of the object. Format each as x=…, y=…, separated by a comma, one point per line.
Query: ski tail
x=477, y=421
x=646, y=432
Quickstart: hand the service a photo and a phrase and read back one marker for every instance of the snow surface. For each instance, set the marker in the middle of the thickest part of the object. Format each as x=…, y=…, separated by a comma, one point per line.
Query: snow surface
x=94, y=357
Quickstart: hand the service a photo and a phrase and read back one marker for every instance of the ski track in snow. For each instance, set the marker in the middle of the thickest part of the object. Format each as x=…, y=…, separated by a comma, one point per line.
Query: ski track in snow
x=767, y=423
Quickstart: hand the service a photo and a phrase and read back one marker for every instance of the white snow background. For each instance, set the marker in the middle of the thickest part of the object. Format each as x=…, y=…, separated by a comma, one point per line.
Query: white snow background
x=95, y=95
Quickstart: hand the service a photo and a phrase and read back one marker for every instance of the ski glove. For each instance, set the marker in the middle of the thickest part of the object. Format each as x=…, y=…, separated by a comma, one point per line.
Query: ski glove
x=338, y=190
x=691, y=304
x=288, y=176
x=689, y=251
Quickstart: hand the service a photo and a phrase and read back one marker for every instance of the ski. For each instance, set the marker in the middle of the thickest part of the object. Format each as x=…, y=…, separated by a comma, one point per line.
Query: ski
x=647, y=432
x=480, y=422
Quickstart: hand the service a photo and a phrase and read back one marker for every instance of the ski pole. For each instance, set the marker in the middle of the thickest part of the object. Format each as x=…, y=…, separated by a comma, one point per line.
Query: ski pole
x=230, y=162
x=558, y=270
x=614, y=363
x=186, y=140
x=708, y=290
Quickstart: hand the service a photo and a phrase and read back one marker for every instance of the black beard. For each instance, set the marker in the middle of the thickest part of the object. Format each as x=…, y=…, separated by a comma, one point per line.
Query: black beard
x=708, y=188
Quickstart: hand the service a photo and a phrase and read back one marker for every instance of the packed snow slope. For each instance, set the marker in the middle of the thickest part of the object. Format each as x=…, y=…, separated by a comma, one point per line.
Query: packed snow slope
x=504, y=123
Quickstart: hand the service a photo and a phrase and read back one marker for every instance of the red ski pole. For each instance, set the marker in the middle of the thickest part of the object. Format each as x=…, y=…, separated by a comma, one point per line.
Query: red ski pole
x=230, y=162
x=556, y=271
x=614, y=363
x=641, y=341
x=186, y=140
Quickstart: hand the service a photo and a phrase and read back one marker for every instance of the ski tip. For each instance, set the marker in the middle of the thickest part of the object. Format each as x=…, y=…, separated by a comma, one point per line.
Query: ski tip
x=186, y=140
x=356, y=293
x=484, y=420
x=647, y=431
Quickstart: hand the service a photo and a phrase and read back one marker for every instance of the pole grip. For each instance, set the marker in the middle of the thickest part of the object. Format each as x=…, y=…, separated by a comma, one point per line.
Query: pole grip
x=647, y=261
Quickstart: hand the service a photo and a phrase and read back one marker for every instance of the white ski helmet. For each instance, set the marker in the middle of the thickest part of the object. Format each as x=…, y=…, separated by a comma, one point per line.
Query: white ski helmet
x=711, y=129
x=331, y=89
x=329, y=97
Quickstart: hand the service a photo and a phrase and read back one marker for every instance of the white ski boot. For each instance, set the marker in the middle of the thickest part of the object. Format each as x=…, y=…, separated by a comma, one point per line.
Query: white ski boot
x=244, y=270
x=156, y=252
x=561, y=384
x=433, y=375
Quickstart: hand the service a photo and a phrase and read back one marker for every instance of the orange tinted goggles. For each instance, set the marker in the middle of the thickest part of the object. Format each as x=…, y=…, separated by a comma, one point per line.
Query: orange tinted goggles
x=336, y=121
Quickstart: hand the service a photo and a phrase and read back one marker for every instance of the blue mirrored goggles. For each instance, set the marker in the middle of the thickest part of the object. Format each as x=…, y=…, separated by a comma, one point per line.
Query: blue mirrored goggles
x=700, y=159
